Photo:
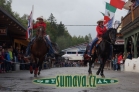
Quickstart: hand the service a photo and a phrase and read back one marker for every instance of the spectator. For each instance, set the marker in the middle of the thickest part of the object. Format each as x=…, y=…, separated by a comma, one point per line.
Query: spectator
x=11, y=54
x=120, y=60
x=22, y=60
x=1, y=61
x=16, y=54
x=8, y=60
x=129, y=55
x=115, y=63
x=3, y=66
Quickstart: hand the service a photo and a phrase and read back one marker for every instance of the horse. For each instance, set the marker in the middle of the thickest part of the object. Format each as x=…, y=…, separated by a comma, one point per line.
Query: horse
x=39, y=49
x=102, y=51
x=86, y=57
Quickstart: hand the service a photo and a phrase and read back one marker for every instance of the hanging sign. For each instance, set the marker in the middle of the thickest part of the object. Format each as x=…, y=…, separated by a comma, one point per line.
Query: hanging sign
x=3, y=31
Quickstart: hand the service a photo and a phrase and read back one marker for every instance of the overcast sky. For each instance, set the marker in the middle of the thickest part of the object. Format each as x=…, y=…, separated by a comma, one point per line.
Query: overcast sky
x=70, y=12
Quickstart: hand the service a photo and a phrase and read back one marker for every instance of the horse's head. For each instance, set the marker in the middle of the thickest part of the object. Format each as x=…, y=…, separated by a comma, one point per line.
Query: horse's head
x=40, y=32
x=112, y=35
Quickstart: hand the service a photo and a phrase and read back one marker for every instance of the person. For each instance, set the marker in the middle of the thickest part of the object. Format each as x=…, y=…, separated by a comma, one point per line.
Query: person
x=35, y=26
x=101, y=29
x=115, y=62
x=1, y=61
x=120, y=61
x=8, y=60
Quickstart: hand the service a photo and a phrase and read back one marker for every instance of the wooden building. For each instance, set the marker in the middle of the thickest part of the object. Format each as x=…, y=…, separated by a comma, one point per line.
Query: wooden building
x=130, y=31
x=11, y=30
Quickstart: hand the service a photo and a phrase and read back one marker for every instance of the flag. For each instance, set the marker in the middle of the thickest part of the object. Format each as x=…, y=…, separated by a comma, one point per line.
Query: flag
x=117, y=3
x=29, y=31
x=116, y=24
x=110, y=23
x=109, y=13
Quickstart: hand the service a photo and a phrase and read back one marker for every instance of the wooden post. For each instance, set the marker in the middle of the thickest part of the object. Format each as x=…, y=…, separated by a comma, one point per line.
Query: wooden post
x=121, y=22
x=132, y=13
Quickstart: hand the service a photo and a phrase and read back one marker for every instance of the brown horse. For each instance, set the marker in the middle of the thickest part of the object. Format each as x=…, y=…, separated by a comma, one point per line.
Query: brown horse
x=39, y=49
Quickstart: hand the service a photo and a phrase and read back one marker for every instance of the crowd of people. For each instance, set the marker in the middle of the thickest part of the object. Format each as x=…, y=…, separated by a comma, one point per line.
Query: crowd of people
x=117, y=60
x=9, y=56
x=69, y=64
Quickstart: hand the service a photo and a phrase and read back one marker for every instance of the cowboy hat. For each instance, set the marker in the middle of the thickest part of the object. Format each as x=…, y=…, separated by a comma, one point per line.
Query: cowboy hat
x=102, y=20
x=41, y=17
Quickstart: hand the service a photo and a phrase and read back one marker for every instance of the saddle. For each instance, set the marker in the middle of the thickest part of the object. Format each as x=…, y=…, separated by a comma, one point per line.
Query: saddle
x=97, y=43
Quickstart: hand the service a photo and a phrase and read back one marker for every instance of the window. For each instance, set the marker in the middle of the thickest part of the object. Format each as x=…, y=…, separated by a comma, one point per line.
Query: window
x=73, y=52
x=68, y=52
x=80, y=52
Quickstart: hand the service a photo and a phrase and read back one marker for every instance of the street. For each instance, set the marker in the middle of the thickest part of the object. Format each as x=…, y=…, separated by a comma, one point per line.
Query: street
x=21, y=81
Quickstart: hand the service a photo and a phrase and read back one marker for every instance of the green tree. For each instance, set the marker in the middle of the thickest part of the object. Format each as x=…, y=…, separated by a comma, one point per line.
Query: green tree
x=58, y=32
x=6, y=4
x=52, y=27
x=61, y=29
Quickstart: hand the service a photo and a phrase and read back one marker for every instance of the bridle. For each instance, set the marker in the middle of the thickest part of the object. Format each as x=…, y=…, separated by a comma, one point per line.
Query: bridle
x=110, y=39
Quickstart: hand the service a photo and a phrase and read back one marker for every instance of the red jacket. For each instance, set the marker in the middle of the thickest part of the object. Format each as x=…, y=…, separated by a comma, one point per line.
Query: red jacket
x=39, y=24
x=120, y=58
x=100, y=30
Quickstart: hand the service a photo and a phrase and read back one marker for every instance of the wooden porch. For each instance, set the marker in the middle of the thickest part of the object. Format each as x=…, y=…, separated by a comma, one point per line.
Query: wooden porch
x=131, y=20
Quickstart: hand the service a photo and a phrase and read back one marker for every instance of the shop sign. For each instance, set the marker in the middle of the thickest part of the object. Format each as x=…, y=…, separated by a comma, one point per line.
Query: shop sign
x=119, y=42
x=3, y=31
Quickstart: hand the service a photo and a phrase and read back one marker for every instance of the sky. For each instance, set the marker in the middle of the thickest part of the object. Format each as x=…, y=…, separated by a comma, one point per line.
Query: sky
x=70, y=12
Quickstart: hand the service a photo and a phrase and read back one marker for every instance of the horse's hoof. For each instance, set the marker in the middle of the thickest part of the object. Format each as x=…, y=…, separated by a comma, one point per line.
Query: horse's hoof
x=31, y=72
x=35, y=75
x=97, y=73
x=90, y=72
x=102, y=75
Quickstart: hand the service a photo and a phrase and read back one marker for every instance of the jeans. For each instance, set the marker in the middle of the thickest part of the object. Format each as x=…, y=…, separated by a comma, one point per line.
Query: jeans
x=115, y=67
x=93, y=43
x=51, y=51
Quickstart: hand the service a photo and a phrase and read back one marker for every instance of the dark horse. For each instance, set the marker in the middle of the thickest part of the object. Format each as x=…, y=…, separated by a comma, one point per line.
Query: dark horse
x=39, y=49
x=102, y=51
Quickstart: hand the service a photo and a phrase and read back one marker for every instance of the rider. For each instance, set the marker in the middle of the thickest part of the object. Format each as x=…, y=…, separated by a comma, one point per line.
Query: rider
x=101, y=29
x=35, y=26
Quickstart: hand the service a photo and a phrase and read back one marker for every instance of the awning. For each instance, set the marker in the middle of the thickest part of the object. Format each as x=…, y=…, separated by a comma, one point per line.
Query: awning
x=22, y=42
x=127, y=4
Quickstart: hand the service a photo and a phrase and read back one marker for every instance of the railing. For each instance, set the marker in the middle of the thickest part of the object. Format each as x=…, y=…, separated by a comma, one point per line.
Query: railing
x=126, y=20
x=130, y=17
x=136, y=12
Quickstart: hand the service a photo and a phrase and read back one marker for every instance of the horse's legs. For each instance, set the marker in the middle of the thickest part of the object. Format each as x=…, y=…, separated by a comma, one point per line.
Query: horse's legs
x=31, y=65
x=40, y=67
x=40, y=64
x=99, y=69
x=90, y=65
x=36, y=68
x=102, y=68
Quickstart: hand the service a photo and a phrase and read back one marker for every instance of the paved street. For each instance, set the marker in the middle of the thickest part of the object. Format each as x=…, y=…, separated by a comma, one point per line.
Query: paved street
x=21, y=81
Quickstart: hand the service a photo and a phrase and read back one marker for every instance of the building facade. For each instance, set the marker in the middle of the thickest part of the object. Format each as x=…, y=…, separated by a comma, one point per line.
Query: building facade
x=130, y=32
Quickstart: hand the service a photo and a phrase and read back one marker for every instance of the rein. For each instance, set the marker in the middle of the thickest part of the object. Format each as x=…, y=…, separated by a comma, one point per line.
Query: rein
x=109, y=41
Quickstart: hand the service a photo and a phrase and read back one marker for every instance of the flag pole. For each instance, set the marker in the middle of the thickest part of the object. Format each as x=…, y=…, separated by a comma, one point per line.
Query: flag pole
x=32, y=18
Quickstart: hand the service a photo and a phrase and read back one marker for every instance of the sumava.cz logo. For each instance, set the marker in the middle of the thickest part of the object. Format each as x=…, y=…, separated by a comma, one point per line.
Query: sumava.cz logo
x=75, y=81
